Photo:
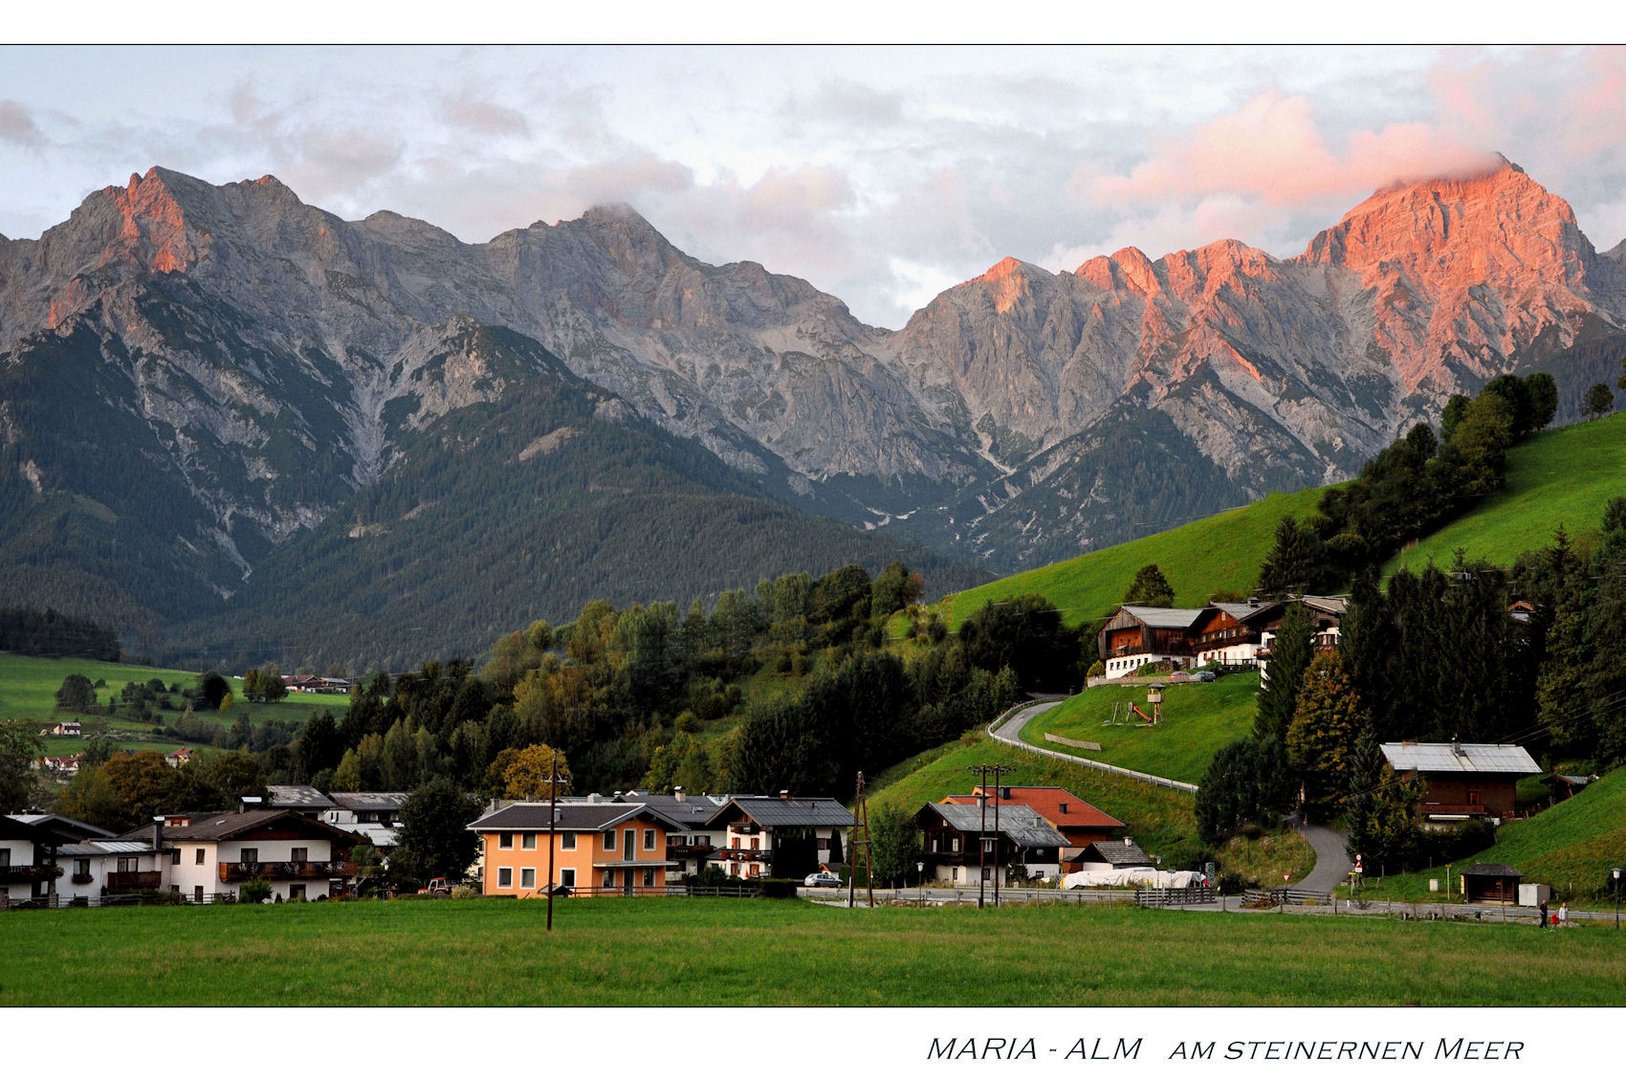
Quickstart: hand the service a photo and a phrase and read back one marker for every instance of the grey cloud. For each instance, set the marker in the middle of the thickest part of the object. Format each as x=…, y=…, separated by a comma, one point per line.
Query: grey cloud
x=485, y=117
x=17, y=125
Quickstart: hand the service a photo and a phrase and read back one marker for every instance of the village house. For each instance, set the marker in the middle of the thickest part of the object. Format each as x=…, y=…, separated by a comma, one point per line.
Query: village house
x=1108, y=855
x=955, y=835
x=695, y=831
x=373, y=816
x=765, y=835
x=102, y=868
x=1221, y=633
x=1076, y=820
x=595, y=848
x=178, y=757
x=1463, y=780
x=300, y=798
x=300, y=857
x=28, y=864
x=66, y=727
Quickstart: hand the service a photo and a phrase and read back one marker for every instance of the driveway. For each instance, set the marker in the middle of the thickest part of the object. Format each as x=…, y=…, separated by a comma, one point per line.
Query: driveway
x=1331, y=863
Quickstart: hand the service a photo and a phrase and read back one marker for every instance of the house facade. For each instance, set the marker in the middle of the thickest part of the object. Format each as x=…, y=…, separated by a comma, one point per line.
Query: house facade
x=1463, y=780
x=695, y=832
x=214, y=854
x=597, y=849
x=954, y=853
x=763, y=835
x=28, y=864
x=1221, y=633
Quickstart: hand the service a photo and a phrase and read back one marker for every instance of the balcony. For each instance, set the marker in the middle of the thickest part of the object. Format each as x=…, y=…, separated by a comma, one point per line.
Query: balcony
x=286, y=871
x=23, y=875
x=1430, y=809
x=679, y=851
x=134, y=879
x=741, y=855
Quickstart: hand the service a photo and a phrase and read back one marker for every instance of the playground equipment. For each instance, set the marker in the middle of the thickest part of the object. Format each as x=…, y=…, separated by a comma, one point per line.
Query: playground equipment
x=1124, y=712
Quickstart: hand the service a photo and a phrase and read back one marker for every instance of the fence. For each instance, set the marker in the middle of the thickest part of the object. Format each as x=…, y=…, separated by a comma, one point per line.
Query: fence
x=1283, y=897
x=1201, y=894
x=152, y=899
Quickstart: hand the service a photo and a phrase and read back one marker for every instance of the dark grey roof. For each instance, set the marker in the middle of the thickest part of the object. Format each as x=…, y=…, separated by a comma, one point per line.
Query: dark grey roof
x=690, y=812
x=1117, y=853
x=573, y=816
x=1491, y=870
x=228, y=826
x=65, y=826
x=296, y=797
x=776, y=813
x=1165, y=618
x=1021, y=824
x=369, y=800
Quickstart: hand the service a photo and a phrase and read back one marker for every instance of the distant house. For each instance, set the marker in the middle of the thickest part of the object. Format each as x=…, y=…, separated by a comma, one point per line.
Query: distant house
x=1108, y=855
x=593, y=848
x=373, y=816
x=178, y=757
x=101, y=868
x=61, y=766
x=300, y=798
x=1076, y=820
x=754, y=828
x=66, y=727
x=28, y=866
x=1491, y=882
x=960, y=841
x=1463, y=779
x=1221, y=633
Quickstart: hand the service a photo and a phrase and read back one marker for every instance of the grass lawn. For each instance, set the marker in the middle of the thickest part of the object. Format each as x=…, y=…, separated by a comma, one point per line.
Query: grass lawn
x=1558, y=477
x=1219, y=552
x=1570, y=847
x=676, y=952
x=1198, y=719
x=28, y=686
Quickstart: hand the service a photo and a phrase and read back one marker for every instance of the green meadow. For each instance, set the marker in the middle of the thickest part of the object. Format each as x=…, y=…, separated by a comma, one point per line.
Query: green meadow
x=1563, y=477
x=1198, y=719
x=682, y=952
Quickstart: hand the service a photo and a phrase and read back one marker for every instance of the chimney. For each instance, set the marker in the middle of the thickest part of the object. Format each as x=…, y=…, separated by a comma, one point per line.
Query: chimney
x=249, y=802
x=594, y=797
x=158, y=833
x=677, y=793
x=784, y=794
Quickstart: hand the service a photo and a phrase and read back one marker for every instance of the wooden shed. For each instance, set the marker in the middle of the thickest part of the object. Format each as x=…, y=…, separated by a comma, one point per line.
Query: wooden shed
x=1492, y=882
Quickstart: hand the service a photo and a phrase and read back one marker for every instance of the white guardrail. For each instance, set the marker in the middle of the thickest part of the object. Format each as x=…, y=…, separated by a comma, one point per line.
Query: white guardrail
x=1145, y=778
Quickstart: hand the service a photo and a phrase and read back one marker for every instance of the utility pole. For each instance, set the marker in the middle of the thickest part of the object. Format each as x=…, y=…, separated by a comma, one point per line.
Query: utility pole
x=982, y=837
x=860, y=826
x=553, y=821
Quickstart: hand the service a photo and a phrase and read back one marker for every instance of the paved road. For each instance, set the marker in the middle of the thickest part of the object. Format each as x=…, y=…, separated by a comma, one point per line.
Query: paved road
x=1331, y=863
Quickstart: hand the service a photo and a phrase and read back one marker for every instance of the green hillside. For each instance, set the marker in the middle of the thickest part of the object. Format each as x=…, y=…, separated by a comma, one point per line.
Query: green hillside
x=1199, y=559
x=1198, y=719
x=1570, y=847
x=1558, y=477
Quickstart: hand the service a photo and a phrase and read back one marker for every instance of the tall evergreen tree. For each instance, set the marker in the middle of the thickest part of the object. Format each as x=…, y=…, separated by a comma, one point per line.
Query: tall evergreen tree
x=1150, y=588
x=1321, y=739
x=1290, y=654
x=1296, y=563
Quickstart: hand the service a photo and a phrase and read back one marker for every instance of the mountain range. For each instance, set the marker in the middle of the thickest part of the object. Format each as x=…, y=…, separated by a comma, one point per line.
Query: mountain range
x=230, y=420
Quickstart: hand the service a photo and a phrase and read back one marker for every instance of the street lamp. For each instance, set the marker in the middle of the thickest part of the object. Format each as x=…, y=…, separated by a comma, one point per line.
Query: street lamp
x=1616, y=874
x=920, y=868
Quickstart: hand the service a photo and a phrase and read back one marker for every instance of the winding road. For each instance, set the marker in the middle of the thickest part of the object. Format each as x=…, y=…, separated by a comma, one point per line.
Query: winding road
x=1331, y=863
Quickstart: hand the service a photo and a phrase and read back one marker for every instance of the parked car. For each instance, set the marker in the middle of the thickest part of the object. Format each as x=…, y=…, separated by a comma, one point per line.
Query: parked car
x=822, y=879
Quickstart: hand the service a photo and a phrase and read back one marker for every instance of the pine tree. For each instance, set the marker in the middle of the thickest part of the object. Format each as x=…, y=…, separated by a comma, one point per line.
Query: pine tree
x=1290, y=654
x=1150, y=588
x=1295, y=563
x=1321, y=739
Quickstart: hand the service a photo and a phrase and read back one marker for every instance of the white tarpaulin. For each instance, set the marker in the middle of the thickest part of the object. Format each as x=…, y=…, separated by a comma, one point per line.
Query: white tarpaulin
x=1131, y=877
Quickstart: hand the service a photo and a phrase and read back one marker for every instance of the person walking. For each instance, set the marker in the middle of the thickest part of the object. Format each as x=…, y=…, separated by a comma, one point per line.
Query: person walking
x=1542, y=907
x=1563, y=914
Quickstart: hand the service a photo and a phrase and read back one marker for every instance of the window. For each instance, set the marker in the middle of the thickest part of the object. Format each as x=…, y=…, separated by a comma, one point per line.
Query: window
x=197, y=894
x=175, y=857
x=609, y=839
x=567, y=841
x=567, y=877
x=649, y=839
x=528, y=841
x=609, y=879
x=527, y=878
x=505, y=877
x=296, y=891
x=5, y=856
x=756, y=843
x=505, y=840
x=299, y=854
x=649, y=879
x=249, y=855
x=199, y=860
x=81, y=867
x=128, y=864
x=734, y=841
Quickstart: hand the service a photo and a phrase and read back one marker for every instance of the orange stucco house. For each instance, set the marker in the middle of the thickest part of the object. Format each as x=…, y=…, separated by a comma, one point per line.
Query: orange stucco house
x=598, y=849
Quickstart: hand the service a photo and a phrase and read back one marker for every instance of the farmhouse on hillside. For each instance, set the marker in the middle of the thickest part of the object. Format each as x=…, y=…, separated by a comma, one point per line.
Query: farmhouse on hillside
x=1076, y=820
x=1019, y=837
x=1463, y=780
x=1221, y=633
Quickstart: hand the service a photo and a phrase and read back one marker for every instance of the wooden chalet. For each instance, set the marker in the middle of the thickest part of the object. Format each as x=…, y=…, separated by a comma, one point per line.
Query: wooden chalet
x=1224, y=633
x=1464, y=780
x=954, y=835
x=1142, y=635
x=1491, y=883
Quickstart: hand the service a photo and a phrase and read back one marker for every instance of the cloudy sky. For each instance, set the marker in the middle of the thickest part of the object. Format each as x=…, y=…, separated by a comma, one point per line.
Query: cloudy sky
x=882, y=175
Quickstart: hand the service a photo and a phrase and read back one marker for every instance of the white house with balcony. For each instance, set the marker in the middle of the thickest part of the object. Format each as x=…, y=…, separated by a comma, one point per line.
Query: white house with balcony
x=300, y=857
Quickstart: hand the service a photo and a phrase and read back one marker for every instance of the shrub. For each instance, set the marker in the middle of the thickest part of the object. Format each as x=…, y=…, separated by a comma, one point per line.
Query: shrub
x=254, y=891
x=777, y=888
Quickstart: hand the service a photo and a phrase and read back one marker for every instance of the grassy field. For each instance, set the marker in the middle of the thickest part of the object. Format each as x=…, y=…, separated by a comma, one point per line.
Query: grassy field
x=1570, y=847
x=28, y=686
x=1558, y=477
x=1219, y=552
x=676, y=952
x=1198, y=719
